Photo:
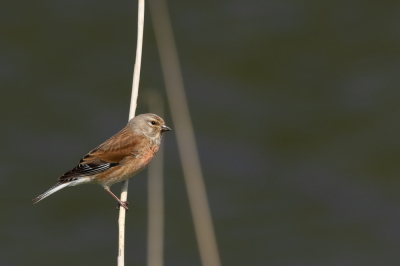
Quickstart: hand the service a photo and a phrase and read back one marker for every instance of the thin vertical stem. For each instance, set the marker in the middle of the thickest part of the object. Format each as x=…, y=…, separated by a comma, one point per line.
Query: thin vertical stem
x=138, y=62
x=155, y=239
x=185, y=134
x=135, y=91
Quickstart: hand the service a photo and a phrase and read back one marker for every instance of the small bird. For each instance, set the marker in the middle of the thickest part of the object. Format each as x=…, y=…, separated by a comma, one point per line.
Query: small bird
x=119, y=158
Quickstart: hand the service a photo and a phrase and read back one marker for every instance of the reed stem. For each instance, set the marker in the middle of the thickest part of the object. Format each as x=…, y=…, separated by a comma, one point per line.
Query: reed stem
x=135, y=91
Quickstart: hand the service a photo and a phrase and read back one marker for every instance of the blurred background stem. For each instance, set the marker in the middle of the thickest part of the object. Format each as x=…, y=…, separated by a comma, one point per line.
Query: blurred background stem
x=183, y=129
x=155, y=238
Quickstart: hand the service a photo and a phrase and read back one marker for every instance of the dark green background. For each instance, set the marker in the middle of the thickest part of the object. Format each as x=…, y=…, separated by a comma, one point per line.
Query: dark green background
x=295, y=108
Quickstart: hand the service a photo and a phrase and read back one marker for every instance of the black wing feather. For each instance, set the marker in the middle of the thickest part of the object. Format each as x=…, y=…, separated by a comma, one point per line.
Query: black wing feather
x=88, y=169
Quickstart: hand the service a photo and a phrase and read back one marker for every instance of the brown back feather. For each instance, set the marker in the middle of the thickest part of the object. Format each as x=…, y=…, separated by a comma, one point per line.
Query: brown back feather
x=116, y=148
x=108, y=154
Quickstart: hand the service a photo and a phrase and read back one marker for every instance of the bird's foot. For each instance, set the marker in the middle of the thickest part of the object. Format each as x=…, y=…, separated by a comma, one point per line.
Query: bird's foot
x=123, y=204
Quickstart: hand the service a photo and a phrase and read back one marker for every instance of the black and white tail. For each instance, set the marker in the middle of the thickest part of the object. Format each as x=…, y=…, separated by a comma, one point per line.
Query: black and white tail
x=55, y=188
x=60, y=185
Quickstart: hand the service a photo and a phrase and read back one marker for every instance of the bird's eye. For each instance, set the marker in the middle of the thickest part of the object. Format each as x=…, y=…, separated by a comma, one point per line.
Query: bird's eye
x=153, y=123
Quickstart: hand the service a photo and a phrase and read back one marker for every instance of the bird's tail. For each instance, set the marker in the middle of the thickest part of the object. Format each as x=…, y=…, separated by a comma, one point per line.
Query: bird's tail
x=60, y=185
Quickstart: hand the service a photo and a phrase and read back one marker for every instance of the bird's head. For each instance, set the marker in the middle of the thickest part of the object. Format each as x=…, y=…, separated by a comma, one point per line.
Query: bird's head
x=150, y=125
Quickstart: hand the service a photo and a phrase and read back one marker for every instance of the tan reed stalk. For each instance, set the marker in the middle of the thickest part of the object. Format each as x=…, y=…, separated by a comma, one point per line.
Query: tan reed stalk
x=155, y=239
x=135, y=91
x=184, y=133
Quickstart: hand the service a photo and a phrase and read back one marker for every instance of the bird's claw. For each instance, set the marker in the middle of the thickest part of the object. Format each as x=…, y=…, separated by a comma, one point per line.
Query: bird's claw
x=123, y=204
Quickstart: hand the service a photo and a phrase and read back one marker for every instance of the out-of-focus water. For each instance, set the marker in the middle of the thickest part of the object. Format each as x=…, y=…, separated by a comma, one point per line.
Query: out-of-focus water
x=295, y=107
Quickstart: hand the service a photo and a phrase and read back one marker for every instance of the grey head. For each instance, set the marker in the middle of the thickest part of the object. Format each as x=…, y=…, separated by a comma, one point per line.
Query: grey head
x=150, y=125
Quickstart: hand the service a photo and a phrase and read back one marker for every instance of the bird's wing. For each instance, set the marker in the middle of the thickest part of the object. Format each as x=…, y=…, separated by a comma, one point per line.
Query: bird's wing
x=107, y=155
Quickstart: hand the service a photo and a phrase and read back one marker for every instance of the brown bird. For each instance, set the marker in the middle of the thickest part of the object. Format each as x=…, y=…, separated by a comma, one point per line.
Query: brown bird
x=119, y=158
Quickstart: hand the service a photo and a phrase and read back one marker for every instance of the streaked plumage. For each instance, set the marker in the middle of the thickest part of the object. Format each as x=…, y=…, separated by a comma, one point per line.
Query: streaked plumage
x=119, y=158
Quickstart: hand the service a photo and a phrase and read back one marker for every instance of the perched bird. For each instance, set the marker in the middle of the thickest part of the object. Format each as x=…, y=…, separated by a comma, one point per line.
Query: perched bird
x=119, y=158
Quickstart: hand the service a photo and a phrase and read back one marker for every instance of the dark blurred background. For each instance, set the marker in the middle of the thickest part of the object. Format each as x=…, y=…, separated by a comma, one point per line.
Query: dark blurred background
x=295, y=108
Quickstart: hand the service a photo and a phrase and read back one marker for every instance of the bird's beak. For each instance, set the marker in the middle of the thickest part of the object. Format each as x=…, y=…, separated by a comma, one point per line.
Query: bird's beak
x=165, y=128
